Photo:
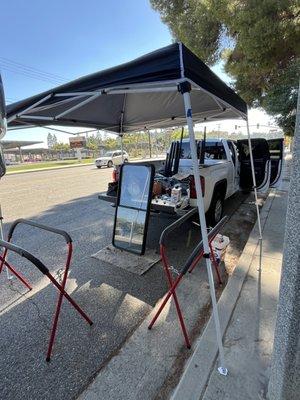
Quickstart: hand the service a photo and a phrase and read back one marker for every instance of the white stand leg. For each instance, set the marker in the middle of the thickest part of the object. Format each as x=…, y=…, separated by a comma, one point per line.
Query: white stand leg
x=255, y=194
x=188, y=110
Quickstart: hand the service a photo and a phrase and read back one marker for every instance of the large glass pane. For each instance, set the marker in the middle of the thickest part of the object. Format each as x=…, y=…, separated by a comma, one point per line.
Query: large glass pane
x=135, y=186
x=129, y=229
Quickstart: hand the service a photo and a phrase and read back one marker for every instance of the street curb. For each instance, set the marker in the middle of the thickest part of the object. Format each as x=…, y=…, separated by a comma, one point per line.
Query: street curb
x=199, y=367
x=72, y=166
x=47, y=169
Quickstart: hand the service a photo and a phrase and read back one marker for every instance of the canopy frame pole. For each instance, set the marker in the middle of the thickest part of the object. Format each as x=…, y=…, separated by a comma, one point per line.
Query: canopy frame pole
x=185, y=88
x=255, y=194
x=81, y=104
x=15, y=116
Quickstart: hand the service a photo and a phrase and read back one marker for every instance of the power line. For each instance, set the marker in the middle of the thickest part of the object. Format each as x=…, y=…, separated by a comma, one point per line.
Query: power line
x=11, y=99
x=27, y=67
x=30, y=72
x=29, y=75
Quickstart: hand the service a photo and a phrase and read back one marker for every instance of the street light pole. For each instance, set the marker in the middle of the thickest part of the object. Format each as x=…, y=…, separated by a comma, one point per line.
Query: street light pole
x=149, y=140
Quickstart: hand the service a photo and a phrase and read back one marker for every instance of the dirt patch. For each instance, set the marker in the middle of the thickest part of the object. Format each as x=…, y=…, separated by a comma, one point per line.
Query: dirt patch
x=238, y=229
x=183, y=355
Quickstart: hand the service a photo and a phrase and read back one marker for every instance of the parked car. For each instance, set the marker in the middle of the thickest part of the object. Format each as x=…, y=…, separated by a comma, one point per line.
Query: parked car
x=111, y=158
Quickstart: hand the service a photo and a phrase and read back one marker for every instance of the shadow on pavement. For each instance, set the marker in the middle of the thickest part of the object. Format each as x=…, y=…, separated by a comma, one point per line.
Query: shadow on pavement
x=116, y=300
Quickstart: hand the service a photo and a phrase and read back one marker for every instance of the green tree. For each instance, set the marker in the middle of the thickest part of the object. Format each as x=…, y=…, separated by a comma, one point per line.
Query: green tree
x=258, y=41
x=59, y=146
x=93, y=142
x=51, y=140
x=176, y=134
x=111, y=144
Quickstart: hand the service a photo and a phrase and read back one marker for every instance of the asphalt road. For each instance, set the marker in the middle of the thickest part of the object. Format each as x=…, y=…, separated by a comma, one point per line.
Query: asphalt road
x=116, y=300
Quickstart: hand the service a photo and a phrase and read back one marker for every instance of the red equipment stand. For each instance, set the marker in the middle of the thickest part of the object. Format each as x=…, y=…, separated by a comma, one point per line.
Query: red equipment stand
x=44, y=270
x=189, y=265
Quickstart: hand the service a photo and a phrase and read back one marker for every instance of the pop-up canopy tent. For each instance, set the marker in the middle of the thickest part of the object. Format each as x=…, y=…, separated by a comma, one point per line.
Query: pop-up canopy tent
x=165, y=88
x=137, y=95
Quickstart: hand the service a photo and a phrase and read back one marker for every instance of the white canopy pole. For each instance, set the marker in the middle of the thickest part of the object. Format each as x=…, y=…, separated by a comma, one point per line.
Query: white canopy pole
x=255, y=193
x=185, y=90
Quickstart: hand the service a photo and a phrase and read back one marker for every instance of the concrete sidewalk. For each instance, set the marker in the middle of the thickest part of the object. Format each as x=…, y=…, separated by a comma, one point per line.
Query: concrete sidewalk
x=247, y=308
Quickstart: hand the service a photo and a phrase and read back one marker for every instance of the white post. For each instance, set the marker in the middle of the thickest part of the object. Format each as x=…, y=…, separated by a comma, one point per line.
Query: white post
x=188, y=111
x=255, y=194
x=79, y=155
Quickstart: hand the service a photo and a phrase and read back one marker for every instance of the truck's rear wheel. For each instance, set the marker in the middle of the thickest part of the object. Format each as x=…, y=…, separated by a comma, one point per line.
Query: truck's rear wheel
x=215, y=212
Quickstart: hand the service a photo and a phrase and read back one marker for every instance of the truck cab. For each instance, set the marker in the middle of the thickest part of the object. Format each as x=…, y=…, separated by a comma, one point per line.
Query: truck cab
x=218, y=153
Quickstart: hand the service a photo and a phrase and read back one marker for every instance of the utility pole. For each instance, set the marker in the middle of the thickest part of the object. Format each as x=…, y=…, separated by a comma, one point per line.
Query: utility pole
x=219, y=126
x=285, y=368
x=149, y=139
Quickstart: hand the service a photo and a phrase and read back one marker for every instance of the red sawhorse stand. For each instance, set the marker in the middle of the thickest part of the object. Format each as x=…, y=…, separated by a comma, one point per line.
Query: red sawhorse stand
x=44, y=270
x=189, y=265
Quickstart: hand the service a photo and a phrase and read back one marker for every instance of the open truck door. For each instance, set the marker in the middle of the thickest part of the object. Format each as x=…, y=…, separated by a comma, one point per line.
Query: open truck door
x=262, y=164
x=276, y=153
x=2, y=127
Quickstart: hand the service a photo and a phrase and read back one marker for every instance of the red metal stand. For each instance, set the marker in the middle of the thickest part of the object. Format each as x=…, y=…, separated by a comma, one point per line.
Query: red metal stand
x=61, y=287
x=190, y=264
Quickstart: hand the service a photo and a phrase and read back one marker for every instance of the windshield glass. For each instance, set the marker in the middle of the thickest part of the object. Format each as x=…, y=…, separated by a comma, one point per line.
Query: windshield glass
x=186, y=150
x=108, y=154
x=213, y=150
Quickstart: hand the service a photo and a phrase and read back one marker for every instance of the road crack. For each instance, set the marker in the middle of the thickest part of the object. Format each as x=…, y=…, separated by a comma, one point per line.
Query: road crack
x=41, y=318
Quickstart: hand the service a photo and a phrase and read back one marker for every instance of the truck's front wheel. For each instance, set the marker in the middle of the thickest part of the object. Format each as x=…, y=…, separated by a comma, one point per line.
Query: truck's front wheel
x=216, y=208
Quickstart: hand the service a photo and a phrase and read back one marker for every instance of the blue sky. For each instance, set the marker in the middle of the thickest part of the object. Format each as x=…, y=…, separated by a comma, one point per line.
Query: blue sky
x=71, y=38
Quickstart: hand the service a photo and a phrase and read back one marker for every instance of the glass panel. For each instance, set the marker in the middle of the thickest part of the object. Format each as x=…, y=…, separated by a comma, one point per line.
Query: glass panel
x=129, y=229
x=135, y=186
x=185, y=151
x=215, y=151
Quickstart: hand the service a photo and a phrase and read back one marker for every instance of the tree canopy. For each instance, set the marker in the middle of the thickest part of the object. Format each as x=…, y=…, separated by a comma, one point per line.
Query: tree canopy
x=258, y=41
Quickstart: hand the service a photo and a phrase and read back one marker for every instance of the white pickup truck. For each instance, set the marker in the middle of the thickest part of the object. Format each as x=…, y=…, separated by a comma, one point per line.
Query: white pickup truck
x=224, y=169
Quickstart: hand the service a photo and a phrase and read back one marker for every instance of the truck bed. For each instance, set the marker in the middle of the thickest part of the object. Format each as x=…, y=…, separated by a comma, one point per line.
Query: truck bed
x=156, y=206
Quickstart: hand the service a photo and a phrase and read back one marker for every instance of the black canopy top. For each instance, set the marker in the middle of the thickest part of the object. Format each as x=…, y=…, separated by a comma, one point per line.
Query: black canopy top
x=133, y=96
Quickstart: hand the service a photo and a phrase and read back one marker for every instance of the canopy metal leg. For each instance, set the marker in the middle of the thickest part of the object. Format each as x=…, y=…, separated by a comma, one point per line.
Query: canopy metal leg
x=255, y=194
x=188, y=110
